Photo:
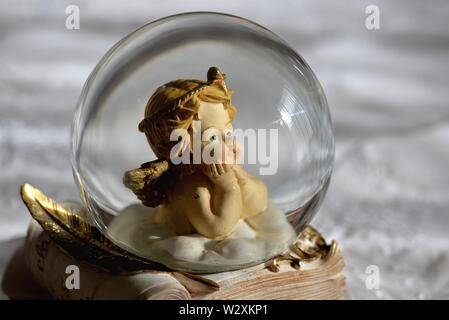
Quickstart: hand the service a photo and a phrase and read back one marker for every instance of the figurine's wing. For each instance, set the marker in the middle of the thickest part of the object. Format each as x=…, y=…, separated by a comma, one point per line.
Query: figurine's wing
x=78, y=238
x=151, y=183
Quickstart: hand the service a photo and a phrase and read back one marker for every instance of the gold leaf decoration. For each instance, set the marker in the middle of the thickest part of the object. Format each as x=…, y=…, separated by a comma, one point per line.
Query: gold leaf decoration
x=309, y=246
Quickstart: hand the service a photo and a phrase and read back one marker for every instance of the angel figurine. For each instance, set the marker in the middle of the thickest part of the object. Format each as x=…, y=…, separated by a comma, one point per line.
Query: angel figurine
x=208, y=198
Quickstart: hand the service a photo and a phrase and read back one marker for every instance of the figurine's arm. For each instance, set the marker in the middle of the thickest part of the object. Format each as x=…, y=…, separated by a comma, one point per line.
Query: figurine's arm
x=215, y=214
x=254, y=192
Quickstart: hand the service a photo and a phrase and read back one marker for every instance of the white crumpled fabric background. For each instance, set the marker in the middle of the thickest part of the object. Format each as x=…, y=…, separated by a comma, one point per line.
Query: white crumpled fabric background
x=388, y=90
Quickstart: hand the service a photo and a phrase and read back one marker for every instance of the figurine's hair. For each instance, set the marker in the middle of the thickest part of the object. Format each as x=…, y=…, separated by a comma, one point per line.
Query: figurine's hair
x=176, y=104
x=173, y=106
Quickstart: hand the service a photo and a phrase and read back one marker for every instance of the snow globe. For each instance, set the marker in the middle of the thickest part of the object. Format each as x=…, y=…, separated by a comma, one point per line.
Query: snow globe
x=202, y=142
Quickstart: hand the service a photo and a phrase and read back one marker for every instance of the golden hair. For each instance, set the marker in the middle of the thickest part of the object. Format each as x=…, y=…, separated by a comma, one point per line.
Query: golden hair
x=173, y=106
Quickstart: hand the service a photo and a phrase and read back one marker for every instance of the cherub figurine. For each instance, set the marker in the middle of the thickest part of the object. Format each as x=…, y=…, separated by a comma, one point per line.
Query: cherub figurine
x=207, y=198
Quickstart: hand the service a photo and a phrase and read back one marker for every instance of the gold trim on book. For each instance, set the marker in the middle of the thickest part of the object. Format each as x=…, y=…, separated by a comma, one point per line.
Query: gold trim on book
x=310, y=246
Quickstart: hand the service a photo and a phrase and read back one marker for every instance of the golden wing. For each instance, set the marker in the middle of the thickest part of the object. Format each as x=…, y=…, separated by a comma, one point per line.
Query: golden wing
x=80, y=239
x=152, y=182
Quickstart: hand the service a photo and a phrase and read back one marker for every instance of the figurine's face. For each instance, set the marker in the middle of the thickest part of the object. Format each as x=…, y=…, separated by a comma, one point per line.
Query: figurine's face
x=216, y=127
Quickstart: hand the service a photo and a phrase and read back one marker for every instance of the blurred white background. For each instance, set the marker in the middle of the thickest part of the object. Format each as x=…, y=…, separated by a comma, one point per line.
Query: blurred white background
x=388, y=203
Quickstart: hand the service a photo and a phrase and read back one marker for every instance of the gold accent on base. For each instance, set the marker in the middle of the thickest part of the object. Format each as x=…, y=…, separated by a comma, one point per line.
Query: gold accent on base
x=309, y=246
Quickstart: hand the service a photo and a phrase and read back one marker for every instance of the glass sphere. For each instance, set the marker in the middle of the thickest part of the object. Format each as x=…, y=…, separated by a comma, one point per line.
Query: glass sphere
x=274, y=89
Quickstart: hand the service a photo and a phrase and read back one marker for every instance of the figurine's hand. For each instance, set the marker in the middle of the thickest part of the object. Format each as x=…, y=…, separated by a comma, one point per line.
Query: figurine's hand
x=241, y=175
x=219, y=172
x=254, y=192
